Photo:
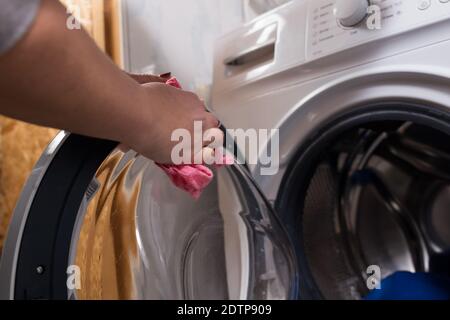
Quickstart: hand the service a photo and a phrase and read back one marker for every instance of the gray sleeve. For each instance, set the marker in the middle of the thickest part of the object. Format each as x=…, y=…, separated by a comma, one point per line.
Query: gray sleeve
x=16, y=16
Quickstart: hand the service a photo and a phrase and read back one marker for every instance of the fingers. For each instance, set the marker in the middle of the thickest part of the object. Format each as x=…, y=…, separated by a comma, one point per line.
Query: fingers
x=213, y=138
x=180, y=114
x=166, y=75
x=208, y=155
x=210, y=121
x=212, y=141
x=148, y=78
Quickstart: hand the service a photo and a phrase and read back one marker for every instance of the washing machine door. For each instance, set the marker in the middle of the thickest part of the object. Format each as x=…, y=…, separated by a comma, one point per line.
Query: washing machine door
x=96, y=221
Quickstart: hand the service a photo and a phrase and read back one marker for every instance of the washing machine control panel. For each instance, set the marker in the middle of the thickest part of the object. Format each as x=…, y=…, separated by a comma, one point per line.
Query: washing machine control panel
x=336, y=25
x=350, y=13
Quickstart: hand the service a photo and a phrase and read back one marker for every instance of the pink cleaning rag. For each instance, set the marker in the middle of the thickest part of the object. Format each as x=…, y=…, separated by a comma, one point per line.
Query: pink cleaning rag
x=193, y=178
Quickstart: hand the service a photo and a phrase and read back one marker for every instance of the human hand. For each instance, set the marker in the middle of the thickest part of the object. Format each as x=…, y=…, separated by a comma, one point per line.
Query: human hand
x=149, y=78
x=162, y=109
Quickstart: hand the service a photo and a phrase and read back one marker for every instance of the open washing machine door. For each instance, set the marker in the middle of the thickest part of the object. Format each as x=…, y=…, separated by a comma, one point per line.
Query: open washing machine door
x=366, y=197
x=98, y=222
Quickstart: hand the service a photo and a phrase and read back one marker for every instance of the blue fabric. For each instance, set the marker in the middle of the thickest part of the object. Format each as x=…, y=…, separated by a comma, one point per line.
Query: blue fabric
x=412, y=286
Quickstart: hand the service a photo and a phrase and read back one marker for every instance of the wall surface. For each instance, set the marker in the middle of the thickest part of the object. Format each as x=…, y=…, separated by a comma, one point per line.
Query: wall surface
x=177, y=36
x=253, y=8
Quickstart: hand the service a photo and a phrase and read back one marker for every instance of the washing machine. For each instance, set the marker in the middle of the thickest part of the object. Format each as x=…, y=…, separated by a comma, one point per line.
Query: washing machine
x=359, y=121
x=360, y=94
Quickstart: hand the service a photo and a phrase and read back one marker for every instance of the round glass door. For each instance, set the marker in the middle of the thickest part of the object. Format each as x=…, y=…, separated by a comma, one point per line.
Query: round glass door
x=136, y=236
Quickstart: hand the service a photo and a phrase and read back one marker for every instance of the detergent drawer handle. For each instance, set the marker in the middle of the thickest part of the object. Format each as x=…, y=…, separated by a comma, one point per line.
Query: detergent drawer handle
x=258, y=53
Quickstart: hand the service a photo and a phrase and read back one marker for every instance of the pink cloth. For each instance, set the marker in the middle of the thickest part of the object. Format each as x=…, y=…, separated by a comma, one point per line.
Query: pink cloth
x=191, y=178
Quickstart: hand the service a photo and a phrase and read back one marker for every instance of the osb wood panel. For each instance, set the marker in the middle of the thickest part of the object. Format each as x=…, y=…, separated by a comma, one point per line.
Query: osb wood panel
x=21, y=145
x=113, y=31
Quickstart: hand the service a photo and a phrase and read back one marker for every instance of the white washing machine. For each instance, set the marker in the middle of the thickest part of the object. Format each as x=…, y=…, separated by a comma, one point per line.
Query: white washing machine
x=363, y=112
x=363, y=179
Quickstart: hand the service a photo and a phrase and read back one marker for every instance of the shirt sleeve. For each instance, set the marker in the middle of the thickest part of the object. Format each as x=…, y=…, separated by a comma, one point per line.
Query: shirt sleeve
x=16, y=17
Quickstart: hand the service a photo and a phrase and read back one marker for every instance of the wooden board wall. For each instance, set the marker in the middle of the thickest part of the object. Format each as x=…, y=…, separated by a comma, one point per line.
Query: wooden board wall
x=113, y=30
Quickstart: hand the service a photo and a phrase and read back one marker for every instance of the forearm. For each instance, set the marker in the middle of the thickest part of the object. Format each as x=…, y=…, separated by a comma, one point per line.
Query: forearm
x=57, y=77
